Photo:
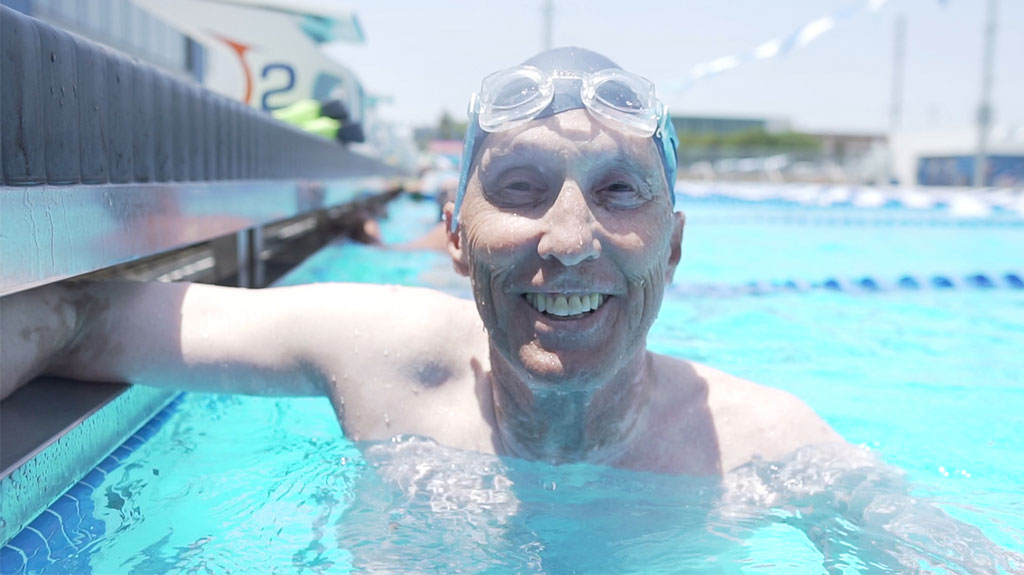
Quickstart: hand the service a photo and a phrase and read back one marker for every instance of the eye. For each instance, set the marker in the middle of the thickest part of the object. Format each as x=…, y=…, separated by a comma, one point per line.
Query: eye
x=623, y=193
x=516, y=188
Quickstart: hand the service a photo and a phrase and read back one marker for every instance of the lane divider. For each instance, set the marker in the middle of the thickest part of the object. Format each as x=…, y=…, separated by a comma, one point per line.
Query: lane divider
x=864, y=203
x=865, y=220
x=865, y=284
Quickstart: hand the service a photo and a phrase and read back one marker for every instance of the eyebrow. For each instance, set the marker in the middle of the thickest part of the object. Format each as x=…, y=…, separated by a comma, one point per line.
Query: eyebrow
x=512, y=152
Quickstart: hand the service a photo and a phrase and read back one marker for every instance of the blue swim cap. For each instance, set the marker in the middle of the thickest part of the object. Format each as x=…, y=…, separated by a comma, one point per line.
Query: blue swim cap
x=563, y=64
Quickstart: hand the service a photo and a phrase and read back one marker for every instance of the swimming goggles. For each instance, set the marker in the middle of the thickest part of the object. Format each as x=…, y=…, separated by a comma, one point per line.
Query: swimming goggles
x=617, y=98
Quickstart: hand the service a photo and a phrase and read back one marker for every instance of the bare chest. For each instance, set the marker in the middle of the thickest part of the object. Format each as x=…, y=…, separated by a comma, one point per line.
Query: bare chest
x=447, y=403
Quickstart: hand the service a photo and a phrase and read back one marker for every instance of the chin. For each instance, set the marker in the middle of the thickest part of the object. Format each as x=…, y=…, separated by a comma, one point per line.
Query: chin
x=575, y=369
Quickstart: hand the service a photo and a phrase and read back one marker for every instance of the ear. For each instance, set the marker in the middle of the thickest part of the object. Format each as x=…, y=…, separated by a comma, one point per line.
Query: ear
x=455, y=242
x=676, y=245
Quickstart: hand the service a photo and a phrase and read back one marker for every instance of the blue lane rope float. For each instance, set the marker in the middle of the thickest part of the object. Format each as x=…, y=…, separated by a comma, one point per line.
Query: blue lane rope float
x=864, y=284
x=859, y=206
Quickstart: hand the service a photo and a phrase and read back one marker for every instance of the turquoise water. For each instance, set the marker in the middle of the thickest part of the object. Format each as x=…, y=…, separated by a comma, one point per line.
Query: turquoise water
x=929, y=385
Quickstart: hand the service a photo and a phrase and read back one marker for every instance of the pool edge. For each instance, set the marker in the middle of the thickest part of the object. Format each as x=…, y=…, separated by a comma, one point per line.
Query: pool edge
x=31, y=487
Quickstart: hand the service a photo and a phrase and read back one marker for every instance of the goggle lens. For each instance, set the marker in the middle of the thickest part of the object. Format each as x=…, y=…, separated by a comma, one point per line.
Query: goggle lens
x=624, y=99
x=510, y=97
x=517, y=92
x=619, y=95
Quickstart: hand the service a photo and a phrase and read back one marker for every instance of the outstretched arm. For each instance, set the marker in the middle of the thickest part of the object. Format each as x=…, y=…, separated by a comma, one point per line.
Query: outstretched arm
x=187, y=336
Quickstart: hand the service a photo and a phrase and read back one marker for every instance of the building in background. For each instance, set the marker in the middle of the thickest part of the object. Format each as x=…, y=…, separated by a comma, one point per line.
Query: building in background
x=726, y=124
x=946, y=158
x=768, y=149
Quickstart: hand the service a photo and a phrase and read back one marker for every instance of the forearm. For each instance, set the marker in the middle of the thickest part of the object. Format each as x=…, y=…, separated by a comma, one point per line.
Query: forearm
x=184, y=336
x=191, y=337
x=36, y=327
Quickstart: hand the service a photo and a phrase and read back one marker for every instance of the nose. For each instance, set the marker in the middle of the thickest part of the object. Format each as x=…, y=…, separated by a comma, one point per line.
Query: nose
x=569, y=228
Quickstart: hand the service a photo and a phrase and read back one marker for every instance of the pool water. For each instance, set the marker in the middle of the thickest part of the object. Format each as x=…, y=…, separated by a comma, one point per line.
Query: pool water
x=927, y=384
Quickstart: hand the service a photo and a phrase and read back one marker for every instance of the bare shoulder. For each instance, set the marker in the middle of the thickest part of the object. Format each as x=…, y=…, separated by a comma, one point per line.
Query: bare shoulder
x=400, y=360
x=755, y=420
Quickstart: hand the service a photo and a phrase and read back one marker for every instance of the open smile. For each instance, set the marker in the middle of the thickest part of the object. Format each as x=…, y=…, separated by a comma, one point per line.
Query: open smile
x=566, y=306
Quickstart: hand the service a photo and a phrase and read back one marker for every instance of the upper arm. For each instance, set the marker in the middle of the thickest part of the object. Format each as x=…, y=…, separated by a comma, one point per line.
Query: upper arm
x=379, y=345
x=756, y=420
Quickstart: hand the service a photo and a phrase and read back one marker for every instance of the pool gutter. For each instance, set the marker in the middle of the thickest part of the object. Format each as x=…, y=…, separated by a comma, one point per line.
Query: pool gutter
x=45, y=452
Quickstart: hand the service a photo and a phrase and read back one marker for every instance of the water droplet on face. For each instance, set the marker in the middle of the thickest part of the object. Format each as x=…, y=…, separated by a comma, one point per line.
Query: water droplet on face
x=387, y=420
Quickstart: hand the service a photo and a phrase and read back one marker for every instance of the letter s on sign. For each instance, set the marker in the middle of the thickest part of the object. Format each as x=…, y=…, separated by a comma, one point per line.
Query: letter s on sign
x=289, y=84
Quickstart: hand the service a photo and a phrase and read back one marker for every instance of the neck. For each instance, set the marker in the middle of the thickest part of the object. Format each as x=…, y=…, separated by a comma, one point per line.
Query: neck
x=562, y=422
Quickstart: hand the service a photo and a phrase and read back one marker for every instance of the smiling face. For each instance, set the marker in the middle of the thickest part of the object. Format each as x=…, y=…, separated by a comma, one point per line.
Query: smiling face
x=568, y=236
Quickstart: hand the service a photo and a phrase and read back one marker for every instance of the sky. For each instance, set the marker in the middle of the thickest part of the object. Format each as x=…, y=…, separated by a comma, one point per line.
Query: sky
x=429, y=56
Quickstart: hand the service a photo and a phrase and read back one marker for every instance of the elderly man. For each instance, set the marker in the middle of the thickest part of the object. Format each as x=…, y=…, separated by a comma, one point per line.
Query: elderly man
x=564, y=224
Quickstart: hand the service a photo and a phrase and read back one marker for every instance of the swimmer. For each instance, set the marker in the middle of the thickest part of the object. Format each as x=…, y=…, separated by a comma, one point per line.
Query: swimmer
x=564, y=223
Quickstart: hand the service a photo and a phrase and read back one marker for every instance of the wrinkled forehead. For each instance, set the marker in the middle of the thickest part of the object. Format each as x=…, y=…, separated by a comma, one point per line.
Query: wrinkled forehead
x=572, y=135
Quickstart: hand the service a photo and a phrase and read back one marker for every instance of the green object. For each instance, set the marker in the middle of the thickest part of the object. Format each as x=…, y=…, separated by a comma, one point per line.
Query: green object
x=305, y=114
x=298, y=113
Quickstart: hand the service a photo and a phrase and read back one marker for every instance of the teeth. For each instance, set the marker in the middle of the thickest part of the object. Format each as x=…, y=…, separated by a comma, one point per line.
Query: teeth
x=576, y=306
x=565, y=304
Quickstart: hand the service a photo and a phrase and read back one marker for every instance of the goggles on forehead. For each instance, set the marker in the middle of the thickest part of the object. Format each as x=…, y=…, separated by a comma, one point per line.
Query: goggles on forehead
x=618, y=99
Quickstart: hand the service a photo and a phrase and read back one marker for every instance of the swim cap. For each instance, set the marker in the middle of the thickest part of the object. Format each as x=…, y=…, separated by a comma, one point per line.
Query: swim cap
x=567, y=79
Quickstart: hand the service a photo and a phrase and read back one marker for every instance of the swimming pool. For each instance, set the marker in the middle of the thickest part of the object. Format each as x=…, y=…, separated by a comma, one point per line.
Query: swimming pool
x=927, y=379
